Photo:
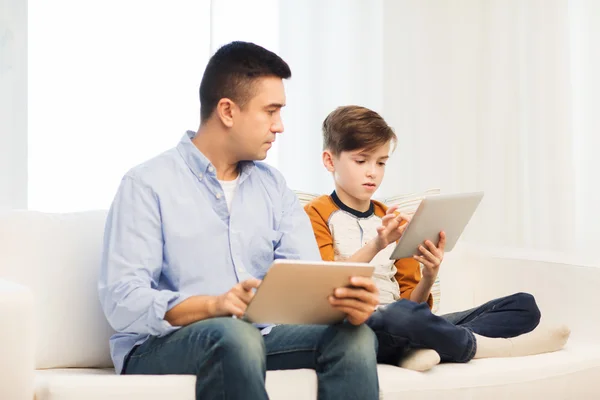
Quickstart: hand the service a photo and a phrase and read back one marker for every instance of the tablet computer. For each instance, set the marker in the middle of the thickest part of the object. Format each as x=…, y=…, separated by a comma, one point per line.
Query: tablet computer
x=296, y=292
x=444, y=212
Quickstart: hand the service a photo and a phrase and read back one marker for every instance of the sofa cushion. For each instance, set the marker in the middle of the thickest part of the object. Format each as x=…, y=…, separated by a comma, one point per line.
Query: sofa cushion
x=103, y=384
x=58, y=257
x=570, y=373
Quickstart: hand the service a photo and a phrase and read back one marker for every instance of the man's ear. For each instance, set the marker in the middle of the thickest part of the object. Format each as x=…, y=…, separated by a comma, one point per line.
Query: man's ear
x=225, y=110
x=328, y=161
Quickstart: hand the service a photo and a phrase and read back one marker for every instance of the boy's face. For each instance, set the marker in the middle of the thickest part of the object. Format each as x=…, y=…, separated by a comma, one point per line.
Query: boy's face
x=358, y=173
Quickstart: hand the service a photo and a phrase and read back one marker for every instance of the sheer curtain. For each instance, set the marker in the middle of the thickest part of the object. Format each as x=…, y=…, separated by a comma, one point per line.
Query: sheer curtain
x=499, y=96
x=13, y=104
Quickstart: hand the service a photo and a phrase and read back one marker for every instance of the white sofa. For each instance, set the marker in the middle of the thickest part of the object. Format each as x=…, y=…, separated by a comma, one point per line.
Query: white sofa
x=54, y=338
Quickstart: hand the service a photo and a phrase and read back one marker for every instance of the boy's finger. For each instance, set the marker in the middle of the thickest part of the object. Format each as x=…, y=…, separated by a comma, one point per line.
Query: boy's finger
x=392, y=209
x=387, y=218
x=402, y=228
x=404, y=217
x=424, y=261
x=426, y=253
x=442, y=243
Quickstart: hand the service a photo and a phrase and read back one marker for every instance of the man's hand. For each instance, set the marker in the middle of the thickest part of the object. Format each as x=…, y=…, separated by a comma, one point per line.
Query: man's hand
x=236, y=300
x=391, y=229
x=358, y=302
x=431, y=257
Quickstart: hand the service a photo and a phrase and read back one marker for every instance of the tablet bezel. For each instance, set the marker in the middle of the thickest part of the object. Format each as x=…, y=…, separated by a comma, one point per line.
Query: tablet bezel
x=450, y=213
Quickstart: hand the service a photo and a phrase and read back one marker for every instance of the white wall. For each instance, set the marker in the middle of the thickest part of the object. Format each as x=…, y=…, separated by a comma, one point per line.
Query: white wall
x=13, y=104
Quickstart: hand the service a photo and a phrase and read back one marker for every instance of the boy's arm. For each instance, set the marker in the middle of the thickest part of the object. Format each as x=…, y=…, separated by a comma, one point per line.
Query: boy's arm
x=325, y=239
x=392, y=227
x=321, y=231
x=412, y=287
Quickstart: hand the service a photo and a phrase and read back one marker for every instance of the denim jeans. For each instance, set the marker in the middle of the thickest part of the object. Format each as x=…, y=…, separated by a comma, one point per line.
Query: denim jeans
x=405, y=325
x=230, y=358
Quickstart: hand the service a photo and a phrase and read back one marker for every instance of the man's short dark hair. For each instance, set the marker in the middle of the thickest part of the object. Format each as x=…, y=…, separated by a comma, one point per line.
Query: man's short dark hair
x=350, y=128
x=231, y=72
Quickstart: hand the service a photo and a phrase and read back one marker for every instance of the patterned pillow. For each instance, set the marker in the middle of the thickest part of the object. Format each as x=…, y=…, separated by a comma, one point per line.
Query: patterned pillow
x=407, y=203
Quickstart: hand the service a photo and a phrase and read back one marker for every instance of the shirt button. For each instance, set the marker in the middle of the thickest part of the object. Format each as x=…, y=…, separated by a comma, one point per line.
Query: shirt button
x=210, y=169
x=218, y=195
x=242, y=270
x=199, y=176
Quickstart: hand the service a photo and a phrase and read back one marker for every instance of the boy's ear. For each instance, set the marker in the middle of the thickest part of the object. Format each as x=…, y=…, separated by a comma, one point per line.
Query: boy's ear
x=328, y=161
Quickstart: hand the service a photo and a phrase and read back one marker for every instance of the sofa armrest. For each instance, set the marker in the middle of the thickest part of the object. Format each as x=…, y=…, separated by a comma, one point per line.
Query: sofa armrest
x=457, y=280
x=565, y=288
x=16, y=342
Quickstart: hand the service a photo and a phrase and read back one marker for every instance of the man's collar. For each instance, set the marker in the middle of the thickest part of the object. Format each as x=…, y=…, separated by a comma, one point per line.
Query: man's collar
x=200, y=165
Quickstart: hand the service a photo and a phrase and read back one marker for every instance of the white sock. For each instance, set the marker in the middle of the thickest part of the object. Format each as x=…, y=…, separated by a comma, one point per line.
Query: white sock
x=420, y=360
x=540, y=340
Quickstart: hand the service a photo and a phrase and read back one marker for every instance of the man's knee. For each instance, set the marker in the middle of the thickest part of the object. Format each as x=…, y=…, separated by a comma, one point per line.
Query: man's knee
x=228, y=337
x=357, y=343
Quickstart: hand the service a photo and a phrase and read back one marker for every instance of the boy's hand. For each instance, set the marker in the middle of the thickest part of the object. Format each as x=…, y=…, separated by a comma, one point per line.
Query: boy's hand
x=358, y=301
x=391, y=229
x=431, y=257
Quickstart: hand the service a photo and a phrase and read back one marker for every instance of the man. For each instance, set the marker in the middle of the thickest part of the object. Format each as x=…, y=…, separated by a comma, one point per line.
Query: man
x=191, y=233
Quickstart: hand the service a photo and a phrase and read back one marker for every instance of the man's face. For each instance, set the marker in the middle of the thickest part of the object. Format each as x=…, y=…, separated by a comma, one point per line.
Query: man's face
x=258, y=121
x=359, y=173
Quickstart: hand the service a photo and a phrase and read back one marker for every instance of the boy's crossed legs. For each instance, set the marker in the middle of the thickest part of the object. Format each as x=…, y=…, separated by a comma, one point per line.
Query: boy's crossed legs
x=411, y=336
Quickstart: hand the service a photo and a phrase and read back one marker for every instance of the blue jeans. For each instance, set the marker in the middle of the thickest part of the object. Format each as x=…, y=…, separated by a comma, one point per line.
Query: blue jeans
x=230, y=358
x=405, y=325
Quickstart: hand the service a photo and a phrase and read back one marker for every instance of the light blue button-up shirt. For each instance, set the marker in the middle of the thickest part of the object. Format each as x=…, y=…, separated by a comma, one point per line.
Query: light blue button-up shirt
x=169, y=236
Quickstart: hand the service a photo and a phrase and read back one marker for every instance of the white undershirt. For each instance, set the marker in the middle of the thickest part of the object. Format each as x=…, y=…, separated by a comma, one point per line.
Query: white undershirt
x=229, y=188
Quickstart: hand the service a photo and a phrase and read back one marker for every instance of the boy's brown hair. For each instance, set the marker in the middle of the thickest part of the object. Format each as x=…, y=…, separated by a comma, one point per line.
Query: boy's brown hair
x=350, y=128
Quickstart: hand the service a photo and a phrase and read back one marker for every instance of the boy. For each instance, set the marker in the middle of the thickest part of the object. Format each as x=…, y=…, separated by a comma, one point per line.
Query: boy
x=349, y=225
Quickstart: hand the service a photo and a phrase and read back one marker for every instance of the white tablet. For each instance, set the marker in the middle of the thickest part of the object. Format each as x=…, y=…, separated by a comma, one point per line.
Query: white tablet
x=445, y=212
x=296, y=292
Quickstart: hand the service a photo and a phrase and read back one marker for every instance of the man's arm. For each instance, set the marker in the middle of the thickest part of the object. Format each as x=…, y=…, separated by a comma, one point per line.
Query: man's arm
x=197, y=308
x=131, y=267
x=297, y=237
x=132, y=262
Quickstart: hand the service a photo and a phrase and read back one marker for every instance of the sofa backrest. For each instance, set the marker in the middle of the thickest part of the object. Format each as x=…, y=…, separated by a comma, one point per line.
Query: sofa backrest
x=58, y=257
